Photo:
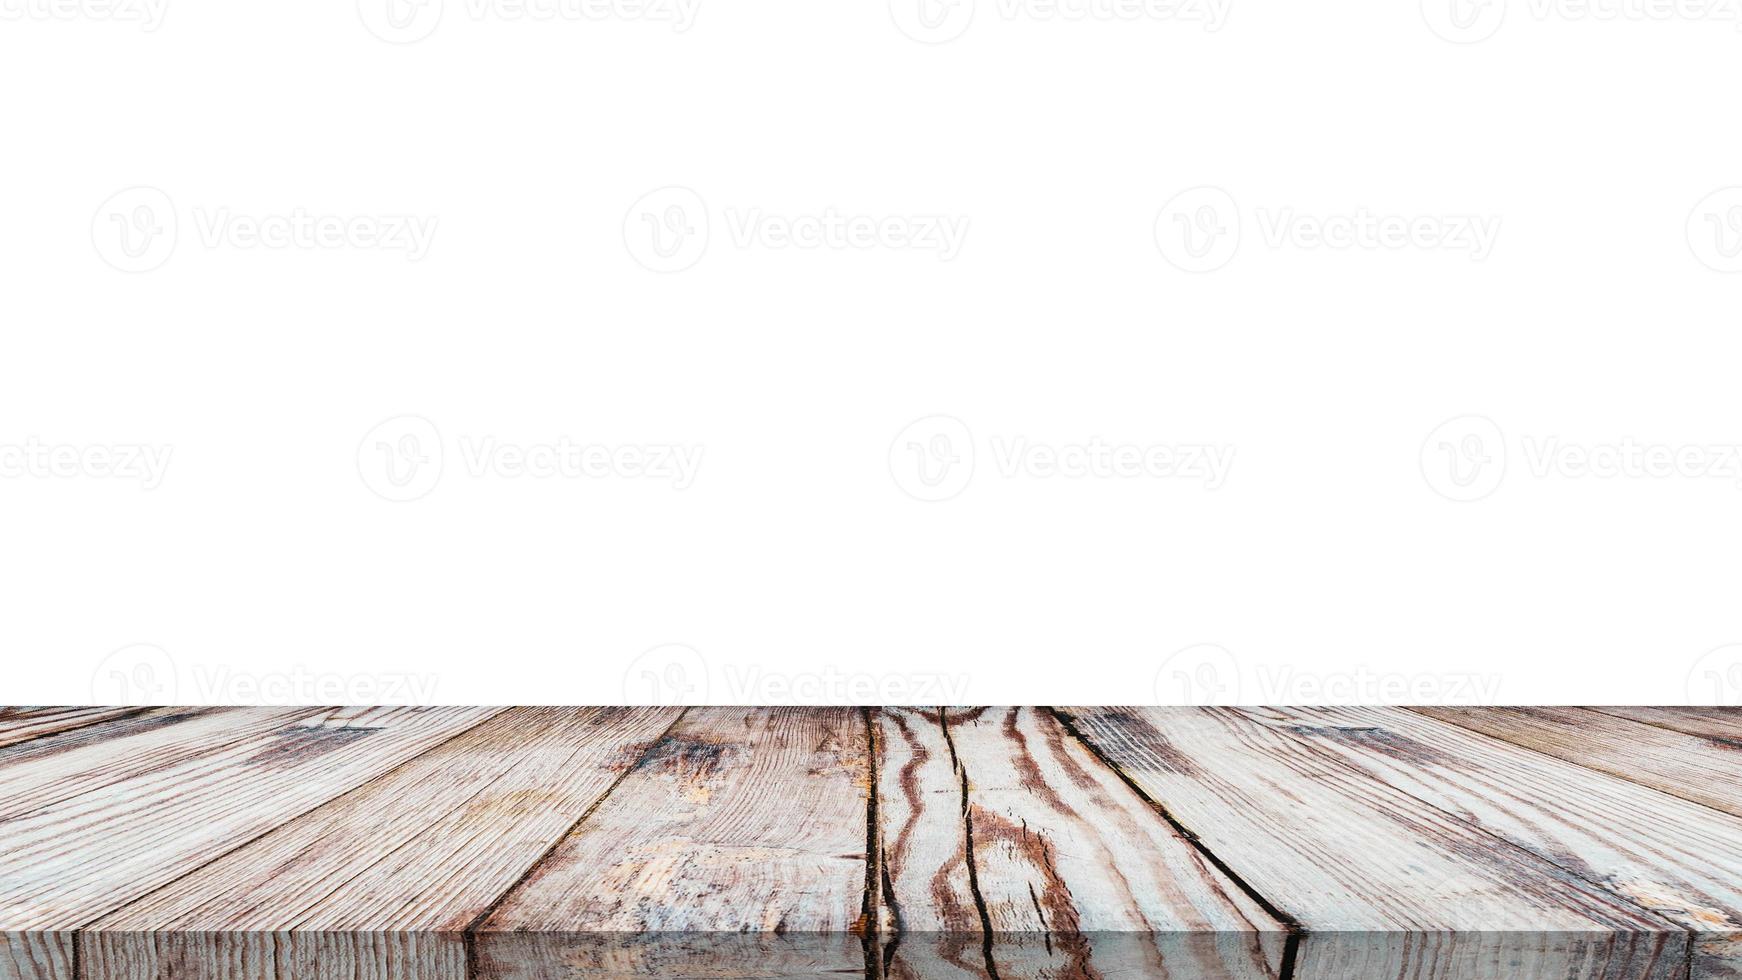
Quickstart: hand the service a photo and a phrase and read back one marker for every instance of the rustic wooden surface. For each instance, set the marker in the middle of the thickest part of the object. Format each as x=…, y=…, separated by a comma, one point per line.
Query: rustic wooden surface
x=405, y=843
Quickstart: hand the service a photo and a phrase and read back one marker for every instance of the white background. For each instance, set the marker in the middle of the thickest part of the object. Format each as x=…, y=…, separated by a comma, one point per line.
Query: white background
x=1331, y=564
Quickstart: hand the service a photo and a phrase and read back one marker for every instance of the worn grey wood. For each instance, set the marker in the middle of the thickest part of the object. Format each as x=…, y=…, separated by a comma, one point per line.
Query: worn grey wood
x=409, y=860
x=1693, y=767
x=64, y=866
x=1384, y=884
x=474, y=844
x=24, y=724
x=1679, y=859
x=745, y=821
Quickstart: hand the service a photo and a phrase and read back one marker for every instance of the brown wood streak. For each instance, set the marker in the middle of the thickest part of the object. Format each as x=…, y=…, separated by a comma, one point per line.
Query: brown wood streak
x=1695, y=767
x=1004, y=846
x=734, y=847
x=1383, y=884
x=1677, y=858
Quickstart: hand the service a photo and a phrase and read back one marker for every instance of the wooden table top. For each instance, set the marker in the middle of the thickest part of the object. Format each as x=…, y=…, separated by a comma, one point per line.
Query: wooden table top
x=403, y=843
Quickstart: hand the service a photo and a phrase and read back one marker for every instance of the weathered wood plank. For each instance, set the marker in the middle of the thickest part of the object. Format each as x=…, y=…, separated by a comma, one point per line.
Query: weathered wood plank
x=1383, y=884
x=397, y=869
x=36, y=955
x=1677, y=858
x=1005, y=846
x=1692, y=767
x=739, y=820
x=45, y=771
x=1721, y=725
x=278, y=955
x=23, y=724
x=64, y=866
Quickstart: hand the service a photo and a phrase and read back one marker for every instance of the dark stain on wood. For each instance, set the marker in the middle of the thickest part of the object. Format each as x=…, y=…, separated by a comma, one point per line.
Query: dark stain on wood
x=685, y=754
x=297, y=744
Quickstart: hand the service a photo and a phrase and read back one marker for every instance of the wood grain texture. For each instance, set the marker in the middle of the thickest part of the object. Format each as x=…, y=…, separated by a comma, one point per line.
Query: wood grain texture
x=64, y=866
x=1679, y=859
x=48, y=770
x=1003, y=844
x=1383, y=884
x=484, y=843
x=738, y=820
x=36, y=955
x=1693, y=767
x=23, y=724
x=1721, y=725
x=415, y=855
